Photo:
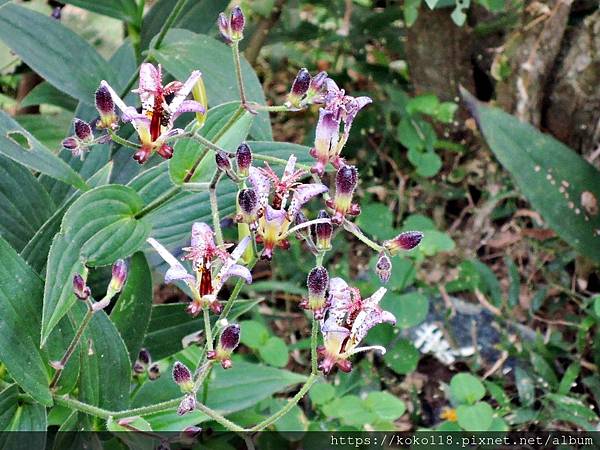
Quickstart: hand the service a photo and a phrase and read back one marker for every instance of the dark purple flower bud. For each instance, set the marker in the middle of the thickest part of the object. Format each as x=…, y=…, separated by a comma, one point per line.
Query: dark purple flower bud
x=119, y=275
x=224, y=29
x=383, y=268
x=138, y=368
x=82, y=130
x=237, y=22
x=404, y=241
x=154, y=371
x=299, y=219
x=243, y=157
x=189, y=436
x=345, y=183
x=104, y=102
x=346, y=179
x=81, y=290
x=323, y=231
x=299, y=88
x=182, y=377
x=144, y=356
x=223, y=161
x=188, y=404
x=248, y=201
x=314, y=93
x=230, y=338
x=70, y=143
x=57, y=12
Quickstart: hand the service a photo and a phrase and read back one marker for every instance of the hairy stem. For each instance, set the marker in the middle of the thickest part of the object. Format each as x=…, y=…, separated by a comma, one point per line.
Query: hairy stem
x=168, y=23
x=313, y=346
x=238, y=71
x=352, y=228
x=72, y=346
x=214, y=207
x=291, y=403
x=121, y=141
x=207, y=329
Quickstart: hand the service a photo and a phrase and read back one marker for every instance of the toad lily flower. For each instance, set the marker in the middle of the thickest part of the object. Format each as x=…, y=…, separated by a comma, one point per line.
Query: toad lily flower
x=339, y=109
x=347, y=321
x=206, y=280
x=161, y=105
x=274, y=223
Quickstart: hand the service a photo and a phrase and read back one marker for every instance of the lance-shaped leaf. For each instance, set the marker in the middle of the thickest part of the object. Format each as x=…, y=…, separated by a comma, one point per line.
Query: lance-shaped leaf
x=560, y=184
x=99, y=228
x=19, y=145
x=125, y=10
x=20, y=306
x=59, y=55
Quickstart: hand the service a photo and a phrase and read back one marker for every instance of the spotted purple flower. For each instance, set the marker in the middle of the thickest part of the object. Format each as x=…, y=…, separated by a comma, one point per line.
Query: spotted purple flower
x=348, y=319
x=228, y=342
x=317, y=283
x=207, y=277
x=154, y=125
x=346, y=180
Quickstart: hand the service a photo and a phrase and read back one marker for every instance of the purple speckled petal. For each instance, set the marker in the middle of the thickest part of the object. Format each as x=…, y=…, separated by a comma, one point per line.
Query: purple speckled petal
x=302, y=194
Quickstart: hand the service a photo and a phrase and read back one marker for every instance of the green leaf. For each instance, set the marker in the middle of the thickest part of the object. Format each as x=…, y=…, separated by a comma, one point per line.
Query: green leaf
x=477, y=417
x=36, y=250
x=253, y=334
x=131, y=314
x=20, y=306
x=525, y=387
x=187, y=151
x=125, y=10
x=351, y=410
x=25, y=204
x=8, y=405
x=45, y=93
x=465, y=388
x=48, y=129
x=426, y=103
x=543, y=369
x=105, y=366
x=321, y=393
x=569, y=378
x=170, y=323
x=385, y=405
x=199, y=17
x=28, y=428
x=183, y=51
x=99, y=228
x=293, y=424
x=376, y=220
x=59, y=55
x=274, y=352
x=547, y=172
x=19, y=145
x=402, y=358
x=410, y=309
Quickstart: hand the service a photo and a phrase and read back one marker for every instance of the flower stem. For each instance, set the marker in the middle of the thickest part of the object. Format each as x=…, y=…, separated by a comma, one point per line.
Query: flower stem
x=273, y=108
x=291, y=403
x=219, y=418
x=238, y=72
x=208, y=144
x=352, y=228
x=121, y=141
x=168, y=23
x=72, y=346
x=214, y=207
x=313, y=346
x=208, y=329
x=274, y=160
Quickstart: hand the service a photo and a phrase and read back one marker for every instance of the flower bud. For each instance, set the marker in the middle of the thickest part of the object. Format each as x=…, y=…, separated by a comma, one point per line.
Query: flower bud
x=119, y=275
x=228, y=342
x=81, y=290
x=70, y=143
x=243, y=157
x=299, y=219
x=317, y=283
x=314, y=92
x=154, y=371
x=404, y=241
x=345, y=183
x=183, y=377
x=383, y=268
x=224, y=29
x=83, y=131
x=106, y=108
x=199, y=94
x=248, y=201
x=223, y=161
x=237, y=23
x=188, y=404
x=323, y=232
x=299, y=88
x=189, y=436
